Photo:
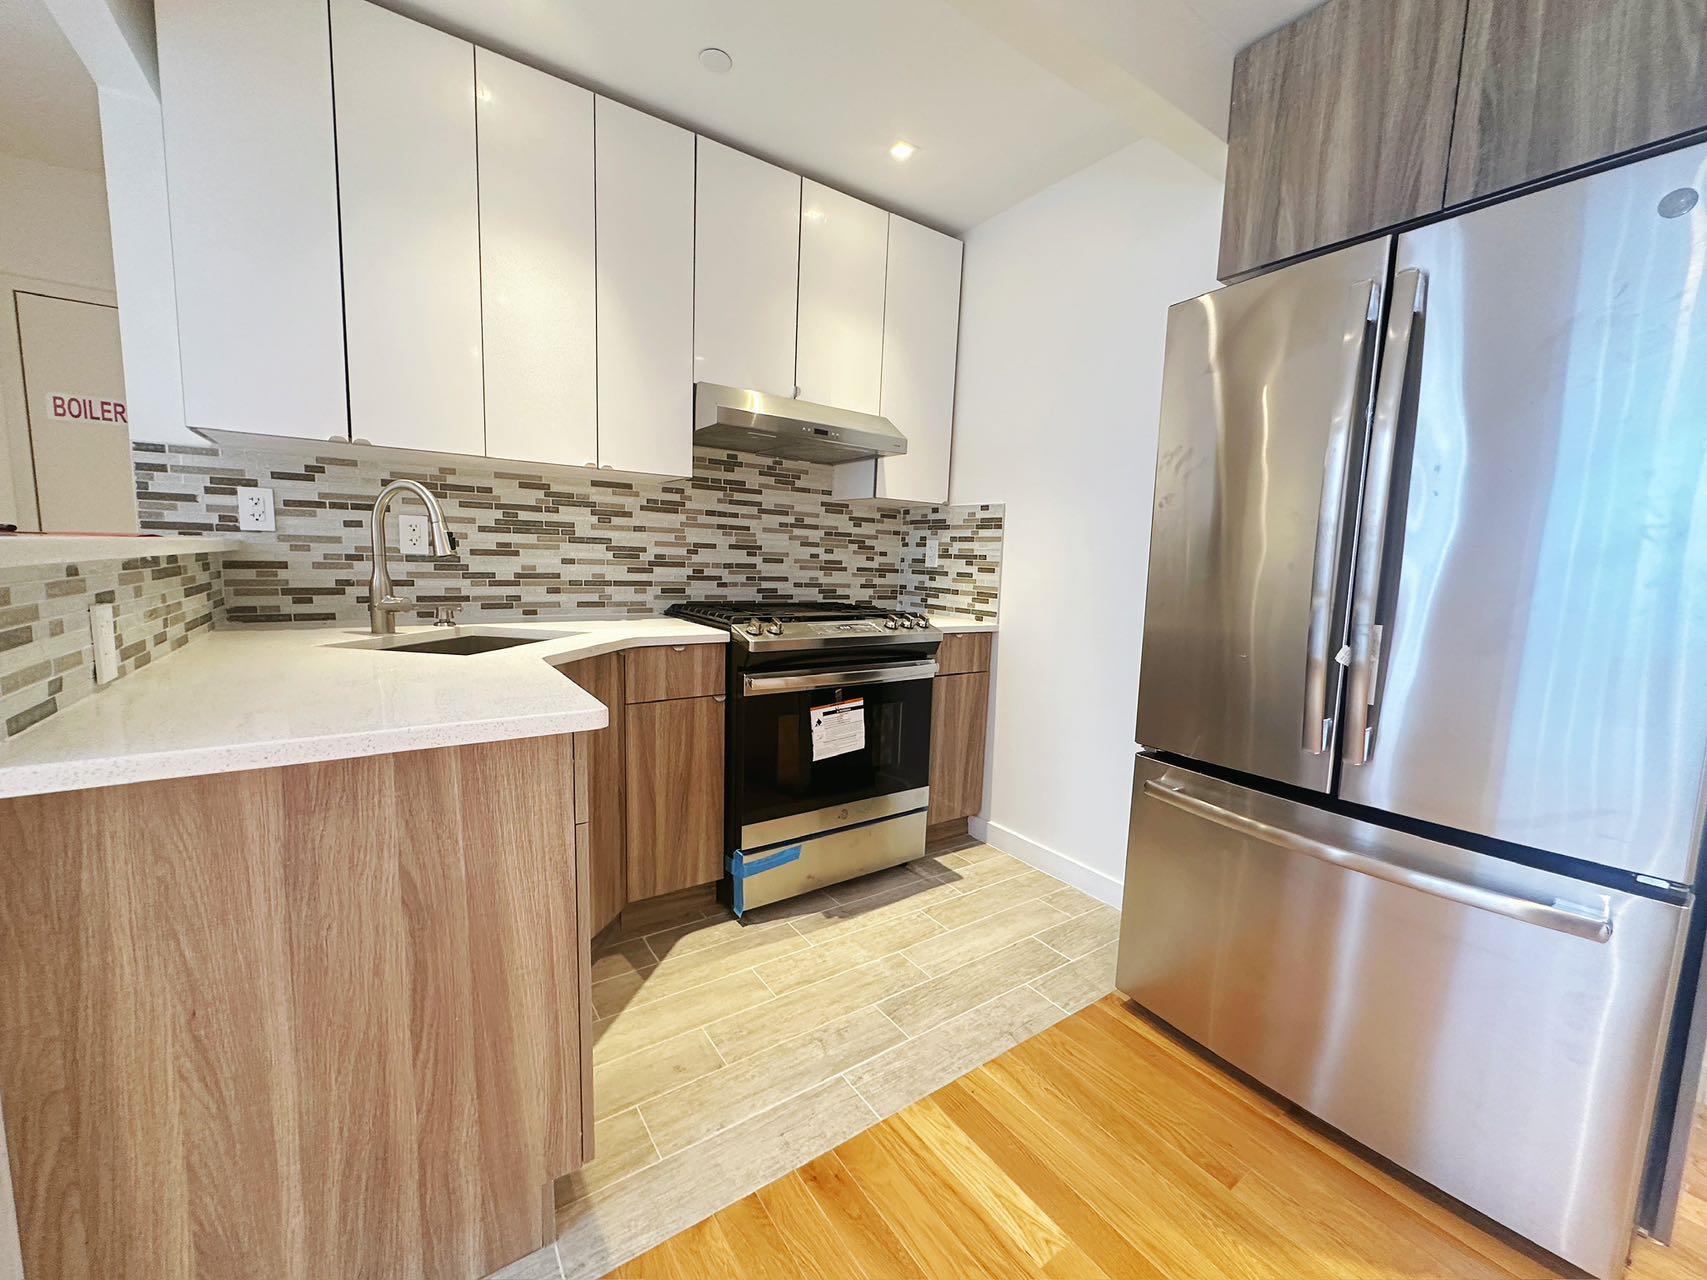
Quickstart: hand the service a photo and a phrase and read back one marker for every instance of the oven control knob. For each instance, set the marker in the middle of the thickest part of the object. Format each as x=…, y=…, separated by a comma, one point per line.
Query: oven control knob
x=891, y=624
x=754, y=629
x=775, y=628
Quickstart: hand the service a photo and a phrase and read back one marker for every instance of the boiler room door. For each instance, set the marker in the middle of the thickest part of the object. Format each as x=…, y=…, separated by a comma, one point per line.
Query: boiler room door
x=76, y=414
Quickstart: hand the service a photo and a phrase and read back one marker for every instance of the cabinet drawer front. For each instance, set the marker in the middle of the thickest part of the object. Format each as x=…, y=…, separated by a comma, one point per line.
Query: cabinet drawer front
x=674, y=671
x=969, y=651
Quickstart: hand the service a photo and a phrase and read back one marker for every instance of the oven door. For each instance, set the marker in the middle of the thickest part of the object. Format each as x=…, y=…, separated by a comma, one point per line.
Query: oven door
x=871, y=758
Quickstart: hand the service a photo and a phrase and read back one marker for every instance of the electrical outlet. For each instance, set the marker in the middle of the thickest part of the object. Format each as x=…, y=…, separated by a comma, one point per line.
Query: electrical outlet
x=932, y=557
x=412, y=535
x=255, y=510
x=104, y=634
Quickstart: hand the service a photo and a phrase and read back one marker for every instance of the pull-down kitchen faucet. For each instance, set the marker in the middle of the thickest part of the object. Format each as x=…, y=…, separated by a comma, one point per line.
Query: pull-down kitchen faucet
x=383, y=606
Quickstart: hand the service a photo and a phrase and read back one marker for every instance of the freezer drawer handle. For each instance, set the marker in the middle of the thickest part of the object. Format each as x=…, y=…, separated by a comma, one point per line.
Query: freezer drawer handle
x=1562, y=917
x=1330, y=516
x=1410, y=301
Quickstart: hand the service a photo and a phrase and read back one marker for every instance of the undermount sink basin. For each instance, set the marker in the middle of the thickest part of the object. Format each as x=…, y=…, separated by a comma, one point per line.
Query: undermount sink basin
x=461, y=642
x=464, y=644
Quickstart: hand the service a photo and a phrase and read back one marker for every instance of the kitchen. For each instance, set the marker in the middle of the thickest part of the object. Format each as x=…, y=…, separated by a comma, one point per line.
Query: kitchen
x=612, y=755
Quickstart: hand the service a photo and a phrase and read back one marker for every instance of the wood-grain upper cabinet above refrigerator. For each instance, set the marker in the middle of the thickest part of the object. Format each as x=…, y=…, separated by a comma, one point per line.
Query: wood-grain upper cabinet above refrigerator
x=1340, y=126
x=408, y=193
x=536, y=264
x=1548, y=85
x=644, y=191
x=746, y=271
x=843, y=252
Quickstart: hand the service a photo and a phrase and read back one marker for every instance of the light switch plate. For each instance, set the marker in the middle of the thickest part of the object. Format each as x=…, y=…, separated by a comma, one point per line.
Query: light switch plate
x=255, y=510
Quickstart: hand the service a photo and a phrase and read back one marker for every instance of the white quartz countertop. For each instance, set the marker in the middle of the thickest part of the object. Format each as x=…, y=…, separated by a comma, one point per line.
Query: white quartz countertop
x=257, y=698
x=261, y=697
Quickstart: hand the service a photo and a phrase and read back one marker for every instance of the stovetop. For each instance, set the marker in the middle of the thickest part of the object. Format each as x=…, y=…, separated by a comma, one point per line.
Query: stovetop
x=773, y=624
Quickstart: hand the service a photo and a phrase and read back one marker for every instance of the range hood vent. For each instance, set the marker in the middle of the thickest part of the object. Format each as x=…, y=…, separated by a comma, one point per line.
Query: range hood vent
x=777, y=427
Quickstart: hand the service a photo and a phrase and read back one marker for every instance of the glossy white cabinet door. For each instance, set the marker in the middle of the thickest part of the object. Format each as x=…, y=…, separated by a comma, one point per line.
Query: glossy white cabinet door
x=921, y=332
x=839, y=358
x=404, y=97
x=536, y=264
x=746, y=270
x=246, y=100
x=644, y=190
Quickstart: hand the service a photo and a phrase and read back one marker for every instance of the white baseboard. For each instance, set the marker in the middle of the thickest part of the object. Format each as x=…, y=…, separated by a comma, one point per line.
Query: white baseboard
x=1100, y=885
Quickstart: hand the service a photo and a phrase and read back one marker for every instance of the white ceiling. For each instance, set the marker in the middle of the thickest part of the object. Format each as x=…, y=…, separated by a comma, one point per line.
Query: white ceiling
x=47, y=100
x=1002, y=97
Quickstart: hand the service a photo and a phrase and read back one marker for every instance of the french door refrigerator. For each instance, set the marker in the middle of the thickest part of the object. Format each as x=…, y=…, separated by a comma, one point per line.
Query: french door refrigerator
x=1417, y=812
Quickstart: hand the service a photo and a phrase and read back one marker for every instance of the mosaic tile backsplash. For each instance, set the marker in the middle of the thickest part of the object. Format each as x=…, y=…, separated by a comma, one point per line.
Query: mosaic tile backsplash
x=47, y=657
x=544, y=542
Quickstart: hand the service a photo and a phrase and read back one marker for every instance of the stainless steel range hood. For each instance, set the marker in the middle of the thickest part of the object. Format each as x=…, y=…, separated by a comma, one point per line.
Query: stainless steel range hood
x=777, y=427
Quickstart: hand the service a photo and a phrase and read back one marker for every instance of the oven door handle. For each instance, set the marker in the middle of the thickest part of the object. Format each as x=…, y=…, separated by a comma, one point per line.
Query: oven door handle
x=760, y=686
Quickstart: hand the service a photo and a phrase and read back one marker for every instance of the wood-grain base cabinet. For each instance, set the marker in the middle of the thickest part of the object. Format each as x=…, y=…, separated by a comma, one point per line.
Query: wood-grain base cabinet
x=320, y=1020
x=674, y=801
x=959, y=710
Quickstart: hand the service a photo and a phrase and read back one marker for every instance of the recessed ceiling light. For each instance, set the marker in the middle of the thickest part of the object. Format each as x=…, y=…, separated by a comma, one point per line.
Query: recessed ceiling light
x=715, y=60
x=902, y=150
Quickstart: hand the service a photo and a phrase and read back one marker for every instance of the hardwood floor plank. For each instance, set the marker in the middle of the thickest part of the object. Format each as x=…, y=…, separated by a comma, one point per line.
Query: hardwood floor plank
x=797, y=1219
x=759, y=1246
x=858, y=1233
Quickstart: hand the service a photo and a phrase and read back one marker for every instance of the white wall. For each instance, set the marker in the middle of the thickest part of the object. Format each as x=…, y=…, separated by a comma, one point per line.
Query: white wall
x=53, y=224
x=1063, y=313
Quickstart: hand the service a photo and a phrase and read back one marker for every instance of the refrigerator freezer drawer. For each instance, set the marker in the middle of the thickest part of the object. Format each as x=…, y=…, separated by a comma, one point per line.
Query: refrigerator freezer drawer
x=1494, y=1029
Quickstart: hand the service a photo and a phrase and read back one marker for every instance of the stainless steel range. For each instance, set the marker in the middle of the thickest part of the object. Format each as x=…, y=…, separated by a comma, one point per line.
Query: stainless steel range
x=829, y=742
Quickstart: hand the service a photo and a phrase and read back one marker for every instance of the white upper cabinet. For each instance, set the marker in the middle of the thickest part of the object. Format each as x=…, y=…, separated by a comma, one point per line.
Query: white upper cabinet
x=746, y=271
x=839, y=356
x=921, y=330
x=404, y=99
x=644, y=187
x=246, y=99
x=536, y=264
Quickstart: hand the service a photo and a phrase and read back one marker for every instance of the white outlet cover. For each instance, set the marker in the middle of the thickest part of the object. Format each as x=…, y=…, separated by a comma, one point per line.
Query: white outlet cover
x=932, y=557
x=255, y=510
x=412, y=535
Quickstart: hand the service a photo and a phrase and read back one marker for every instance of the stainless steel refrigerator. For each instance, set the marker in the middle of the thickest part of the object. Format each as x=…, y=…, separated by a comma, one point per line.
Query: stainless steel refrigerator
x=1422, y=716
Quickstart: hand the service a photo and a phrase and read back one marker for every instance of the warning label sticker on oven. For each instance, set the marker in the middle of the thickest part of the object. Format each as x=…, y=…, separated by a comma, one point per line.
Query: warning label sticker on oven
x=838, y=728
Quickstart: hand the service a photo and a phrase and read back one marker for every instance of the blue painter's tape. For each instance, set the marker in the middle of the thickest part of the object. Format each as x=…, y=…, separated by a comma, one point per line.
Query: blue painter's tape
x=741, y=870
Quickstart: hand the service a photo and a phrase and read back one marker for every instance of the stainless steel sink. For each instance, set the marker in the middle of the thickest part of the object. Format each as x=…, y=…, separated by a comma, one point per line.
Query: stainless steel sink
x=463, y=641
x=463, y=644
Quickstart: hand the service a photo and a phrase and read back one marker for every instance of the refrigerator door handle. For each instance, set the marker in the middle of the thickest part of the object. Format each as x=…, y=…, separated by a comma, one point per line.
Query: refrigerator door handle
x=1410, y=299
x=1593, y=924
x=1318, y=728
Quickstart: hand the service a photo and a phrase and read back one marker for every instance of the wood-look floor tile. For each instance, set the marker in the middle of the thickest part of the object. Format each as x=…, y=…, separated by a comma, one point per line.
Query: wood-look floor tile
x=682, y=970
x=620, y=1083
x=1072, y=901
x=837, y=921
x=1083, y=934
x=621, y=1146
x=960, y=946
x=910, y=1071
x=624, y=956
x=759, y=1081
x=1080, y=982
x=950, y=994
x=648, y=1024
x=815, y=963
x=894, y=878
x=988, y=871
x=538, y=1265
x=707, y=931
x=1027, y=886
x=622, y=1220
x=969, y=855
x=804, y=1008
